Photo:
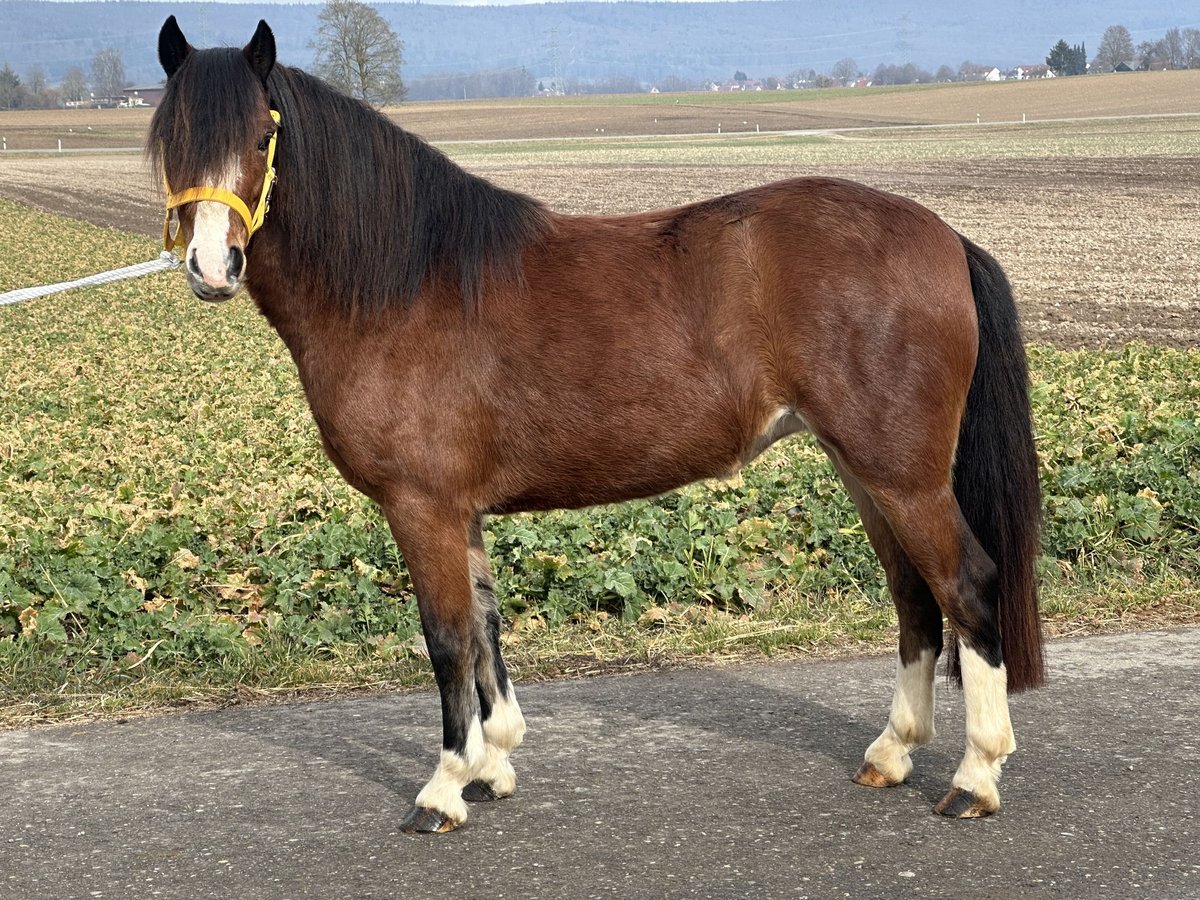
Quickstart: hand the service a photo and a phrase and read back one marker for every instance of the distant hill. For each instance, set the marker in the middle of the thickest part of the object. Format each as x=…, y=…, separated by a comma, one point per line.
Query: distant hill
x=592, y=41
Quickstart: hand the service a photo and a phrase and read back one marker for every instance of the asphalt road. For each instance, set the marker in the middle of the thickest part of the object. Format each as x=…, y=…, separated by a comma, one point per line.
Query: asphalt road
x=731, y=782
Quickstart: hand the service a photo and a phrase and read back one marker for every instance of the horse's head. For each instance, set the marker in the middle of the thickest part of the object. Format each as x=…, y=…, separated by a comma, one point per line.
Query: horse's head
x=212, y=139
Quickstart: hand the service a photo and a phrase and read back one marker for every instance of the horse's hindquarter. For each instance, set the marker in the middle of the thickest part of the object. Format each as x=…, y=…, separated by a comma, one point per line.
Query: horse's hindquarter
x=871, y=316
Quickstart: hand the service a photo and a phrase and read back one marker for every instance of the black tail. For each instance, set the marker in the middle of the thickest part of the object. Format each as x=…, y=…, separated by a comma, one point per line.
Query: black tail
x=996, y=477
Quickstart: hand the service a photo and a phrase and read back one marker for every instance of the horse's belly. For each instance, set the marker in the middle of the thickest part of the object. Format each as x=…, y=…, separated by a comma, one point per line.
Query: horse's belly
x=626, y=464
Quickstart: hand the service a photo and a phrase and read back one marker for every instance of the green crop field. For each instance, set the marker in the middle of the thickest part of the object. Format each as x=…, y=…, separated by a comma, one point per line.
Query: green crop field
x=169, y=529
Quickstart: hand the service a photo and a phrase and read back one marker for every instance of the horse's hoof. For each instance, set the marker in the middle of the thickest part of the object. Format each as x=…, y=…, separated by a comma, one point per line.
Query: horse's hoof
x=423, y=820
x=479, y=792
x=870, y=776
x=964, y=804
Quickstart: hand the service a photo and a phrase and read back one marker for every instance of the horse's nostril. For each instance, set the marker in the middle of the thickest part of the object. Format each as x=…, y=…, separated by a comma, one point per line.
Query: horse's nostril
x=194, y=264
x=237, y=262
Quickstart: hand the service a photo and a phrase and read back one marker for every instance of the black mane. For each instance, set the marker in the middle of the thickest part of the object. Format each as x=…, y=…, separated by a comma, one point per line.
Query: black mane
x=365, y=211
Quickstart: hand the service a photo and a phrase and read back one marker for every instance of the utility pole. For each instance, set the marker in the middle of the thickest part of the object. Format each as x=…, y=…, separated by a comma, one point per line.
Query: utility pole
x=205, y=35
x=555, y=61
x=904, y=39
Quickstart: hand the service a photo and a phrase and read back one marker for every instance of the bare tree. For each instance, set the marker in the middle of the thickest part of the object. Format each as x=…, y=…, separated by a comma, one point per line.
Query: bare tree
x=970, y=71
x=1174, y=49
x=801, y=77
x=673, y=83
x=1191, y=47
x=1151, y=55
x=35, y=79
x=108, y=74
x=905, y=74
x=845, y=70
x=40, y=94
x=1116, y=47
x=74, y=85
x=616, y=84
x=358, y=53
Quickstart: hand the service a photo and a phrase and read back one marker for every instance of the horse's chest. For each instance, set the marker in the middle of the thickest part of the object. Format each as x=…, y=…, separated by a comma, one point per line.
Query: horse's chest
x=384, y=423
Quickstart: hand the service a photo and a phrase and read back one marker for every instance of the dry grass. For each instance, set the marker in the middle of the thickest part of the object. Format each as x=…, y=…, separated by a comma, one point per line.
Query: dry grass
x=676, y=636
x=41, y=129
x=1138, y=94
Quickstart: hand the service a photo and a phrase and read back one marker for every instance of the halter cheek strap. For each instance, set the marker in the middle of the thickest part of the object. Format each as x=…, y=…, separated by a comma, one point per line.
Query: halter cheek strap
x=253, y=221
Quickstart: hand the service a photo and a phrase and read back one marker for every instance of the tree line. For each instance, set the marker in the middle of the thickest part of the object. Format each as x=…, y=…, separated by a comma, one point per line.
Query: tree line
x=356, y=51
x=1179, y=48
x=106, y=83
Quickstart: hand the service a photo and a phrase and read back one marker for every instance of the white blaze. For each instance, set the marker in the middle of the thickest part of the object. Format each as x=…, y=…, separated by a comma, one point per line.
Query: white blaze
x=210, y=232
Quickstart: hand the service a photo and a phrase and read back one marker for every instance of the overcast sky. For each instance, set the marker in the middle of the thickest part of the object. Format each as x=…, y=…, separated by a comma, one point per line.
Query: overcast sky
x=433, y=3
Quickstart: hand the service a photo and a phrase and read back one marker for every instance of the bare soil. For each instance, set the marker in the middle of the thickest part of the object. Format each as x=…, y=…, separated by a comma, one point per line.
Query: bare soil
x=1135, y=94
x=1101, y=250
x=1132, y=94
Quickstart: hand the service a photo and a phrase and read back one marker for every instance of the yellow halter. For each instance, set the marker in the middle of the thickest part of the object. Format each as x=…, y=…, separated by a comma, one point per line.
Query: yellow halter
x=253, y=220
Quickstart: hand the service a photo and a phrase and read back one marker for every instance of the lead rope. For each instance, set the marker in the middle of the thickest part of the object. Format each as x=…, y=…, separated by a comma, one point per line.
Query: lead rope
x=164, y=262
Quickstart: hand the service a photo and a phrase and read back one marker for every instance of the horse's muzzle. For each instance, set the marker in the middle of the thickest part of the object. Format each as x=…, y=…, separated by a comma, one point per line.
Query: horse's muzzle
x=210, y=294
x=227, y=287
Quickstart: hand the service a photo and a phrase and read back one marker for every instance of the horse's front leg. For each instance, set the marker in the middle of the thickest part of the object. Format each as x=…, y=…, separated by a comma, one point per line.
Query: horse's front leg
x=503, y=724
x=434, y=544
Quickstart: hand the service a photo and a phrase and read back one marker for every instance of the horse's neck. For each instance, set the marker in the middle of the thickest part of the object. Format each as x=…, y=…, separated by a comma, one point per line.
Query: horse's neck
x=300, y=317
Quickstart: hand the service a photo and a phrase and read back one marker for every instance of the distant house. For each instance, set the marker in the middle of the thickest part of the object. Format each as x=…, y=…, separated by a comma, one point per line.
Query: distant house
x=143, y=95
x=993, y=74
x=1122, y=67
x=749, y=85
x=1025, y=73
x=972, y=72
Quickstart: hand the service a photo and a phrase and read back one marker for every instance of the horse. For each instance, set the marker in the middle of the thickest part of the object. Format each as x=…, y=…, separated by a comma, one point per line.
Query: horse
x=466, y=351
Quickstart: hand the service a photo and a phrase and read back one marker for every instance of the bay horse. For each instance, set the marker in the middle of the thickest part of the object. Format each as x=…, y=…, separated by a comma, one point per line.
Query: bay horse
x=465, y=351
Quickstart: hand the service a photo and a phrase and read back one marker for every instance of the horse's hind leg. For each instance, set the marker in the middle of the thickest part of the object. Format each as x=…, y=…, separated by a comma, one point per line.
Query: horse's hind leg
x=503, y=724
x=434, y=544
x=929, y=526
x=905, y=470
x=910, y=723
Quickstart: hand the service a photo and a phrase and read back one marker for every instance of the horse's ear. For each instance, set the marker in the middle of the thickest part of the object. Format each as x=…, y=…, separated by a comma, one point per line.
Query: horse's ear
x=260, y=52
x=173, y=47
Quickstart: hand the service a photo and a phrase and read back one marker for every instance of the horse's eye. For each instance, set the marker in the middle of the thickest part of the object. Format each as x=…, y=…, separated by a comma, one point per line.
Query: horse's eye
x=266, y=141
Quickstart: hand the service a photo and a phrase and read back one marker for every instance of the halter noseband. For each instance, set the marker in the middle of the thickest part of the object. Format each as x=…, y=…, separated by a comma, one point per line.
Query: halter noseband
x=253, y=221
